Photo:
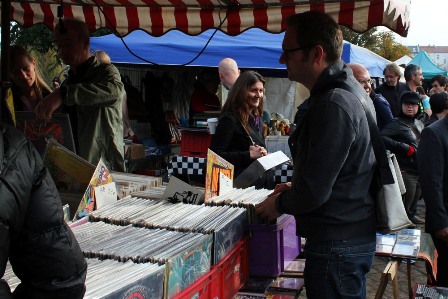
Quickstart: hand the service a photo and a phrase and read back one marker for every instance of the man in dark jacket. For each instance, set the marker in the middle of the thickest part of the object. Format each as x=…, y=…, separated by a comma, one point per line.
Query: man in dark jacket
x=41, y=248
x=392, y=88
x=333, y=163
x=433, y=170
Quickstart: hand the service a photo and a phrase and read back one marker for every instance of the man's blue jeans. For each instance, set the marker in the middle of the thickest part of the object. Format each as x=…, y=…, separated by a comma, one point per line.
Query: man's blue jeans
x=337, y=269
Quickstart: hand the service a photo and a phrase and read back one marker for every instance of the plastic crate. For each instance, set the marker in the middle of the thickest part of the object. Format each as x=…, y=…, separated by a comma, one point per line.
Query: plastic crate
x=272, y=246
x=195, y=143
x=202, y=289
x=232, y=272
x=223, y=280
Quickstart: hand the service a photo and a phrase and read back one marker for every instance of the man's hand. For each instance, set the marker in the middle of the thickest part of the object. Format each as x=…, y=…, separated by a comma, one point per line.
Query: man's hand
x=266, y=209
x=443, y=235
x=279, y=188
x=47, y=105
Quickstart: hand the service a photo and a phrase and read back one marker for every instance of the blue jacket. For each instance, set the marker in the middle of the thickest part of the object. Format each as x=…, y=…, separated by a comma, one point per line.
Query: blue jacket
x=382, y=109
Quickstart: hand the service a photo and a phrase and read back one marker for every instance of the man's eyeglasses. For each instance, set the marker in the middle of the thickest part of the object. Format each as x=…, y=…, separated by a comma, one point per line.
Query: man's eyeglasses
x=364, y=82
x=287, y=51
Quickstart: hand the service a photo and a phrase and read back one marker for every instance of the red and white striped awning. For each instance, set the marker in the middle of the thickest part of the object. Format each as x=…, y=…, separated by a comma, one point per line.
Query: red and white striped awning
x=194, y=16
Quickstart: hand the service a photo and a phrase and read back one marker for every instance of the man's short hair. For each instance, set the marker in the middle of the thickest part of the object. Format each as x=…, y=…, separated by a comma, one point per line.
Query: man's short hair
x=441, y=79
x=394, y=68
x=439, y=102
x=73, y=25
x=317, y=28
x=411, y=69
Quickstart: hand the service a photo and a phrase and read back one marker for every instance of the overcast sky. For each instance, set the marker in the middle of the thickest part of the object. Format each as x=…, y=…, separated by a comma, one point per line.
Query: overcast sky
x=429, y=24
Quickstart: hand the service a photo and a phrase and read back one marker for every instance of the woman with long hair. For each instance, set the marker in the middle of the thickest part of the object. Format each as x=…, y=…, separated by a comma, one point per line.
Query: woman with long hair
x=28, y=86
x=238, y=138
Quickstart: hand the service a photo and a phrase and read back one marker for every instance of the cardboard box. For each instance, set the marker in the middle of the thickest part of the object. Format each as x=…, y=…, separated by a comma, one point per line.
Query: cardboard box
x=134, y=151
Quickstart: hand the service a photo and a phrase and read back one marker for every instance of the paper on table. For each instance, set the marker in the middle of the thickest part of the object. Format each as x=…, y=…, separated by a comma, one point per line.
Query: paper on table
x=225, y=184
x=272, y=160
x=105, y=195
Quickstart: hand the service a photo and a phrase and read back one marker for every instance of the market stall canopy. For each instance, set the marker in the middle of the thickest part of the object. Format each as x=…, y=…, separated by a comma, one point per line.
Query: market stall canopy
x=429, y=68
x=403, y=60
x=177, y=48
x=372, y=61
x=195, y=16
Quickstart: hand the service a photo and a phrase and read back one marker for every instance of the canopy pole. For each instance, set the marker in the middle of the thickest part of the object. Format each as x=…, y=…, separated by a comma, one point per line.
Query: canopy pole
x=5, y=113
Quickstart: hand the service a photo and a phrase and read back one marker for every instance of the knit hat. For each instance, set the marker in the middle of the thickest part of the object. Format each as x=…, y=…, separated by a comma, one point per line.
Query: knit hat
x=439, y=102
x=410, y=97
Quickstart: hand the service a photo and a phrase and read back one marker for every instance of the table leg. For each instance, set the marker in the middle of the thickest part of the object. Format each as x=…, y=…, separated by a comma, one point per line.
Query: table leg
x=410, y=289
x=383, y=281
x=392, y=273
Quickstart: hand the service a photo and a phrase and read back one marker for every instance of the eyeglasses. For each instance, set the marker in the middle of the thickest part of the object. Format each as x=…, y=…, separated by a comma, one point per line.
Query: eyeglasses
x=287, y=51
x=410, y=104
x=364, y=82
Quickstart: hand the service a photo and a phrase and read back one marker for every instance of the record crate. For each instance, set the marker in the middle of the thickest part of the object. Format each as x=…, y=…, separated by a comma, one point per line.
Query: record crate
x=233, y=271
x=272, y=246
x=202, y=289
x=195, y=143
x=224, y=279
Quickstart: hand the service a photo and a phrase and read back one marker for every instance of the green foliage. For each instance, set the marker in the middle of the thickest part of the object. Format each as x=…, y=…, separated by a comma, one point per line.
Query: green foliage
x=38, y=37
x=39, y=40
x=382, y=43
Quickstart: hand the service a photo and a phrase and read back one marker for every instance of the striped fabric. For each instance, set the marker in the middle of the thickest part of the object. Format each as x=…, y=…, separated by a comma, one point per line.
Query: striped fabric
x=195, y=16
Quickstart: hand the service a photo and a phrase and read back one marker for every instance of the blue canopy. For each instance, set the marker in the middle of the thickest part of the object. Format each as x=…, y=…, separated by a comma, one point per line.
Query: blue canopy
x=429, y=68
x=254, y=49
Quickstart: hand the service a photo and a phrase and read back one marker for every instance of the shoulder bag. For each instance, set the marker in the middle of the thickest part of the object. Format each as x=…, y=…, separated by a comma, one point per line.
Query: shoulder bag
x=387, y=184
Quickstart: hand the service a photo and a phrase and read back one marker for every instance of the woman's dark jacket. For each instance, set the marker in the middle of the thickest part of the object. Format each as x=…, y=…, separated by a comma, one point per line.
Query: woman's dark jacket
x=41, y=248
x=231, y=141
x=398, y=135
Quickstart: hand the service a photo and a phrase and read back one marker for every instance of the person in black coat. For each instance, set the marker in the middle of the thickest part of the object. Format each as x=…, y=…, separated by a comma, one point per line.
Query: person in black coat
x=238, y=138
x=401, y=136
x=41, y=248
x=433, y=170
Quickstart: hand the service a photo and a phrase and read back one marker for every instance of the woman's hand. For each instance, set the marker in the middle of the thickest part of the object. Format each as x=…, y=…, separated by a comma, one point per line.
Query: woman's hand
x=256, y=151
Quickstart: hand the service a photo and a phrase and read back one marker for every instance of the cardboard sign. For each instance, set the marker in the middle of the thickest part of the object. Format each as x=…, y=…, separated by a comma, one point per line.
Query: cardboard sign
x=215, y=166
x=101, y=176
x=105, y=195
x=179, y=191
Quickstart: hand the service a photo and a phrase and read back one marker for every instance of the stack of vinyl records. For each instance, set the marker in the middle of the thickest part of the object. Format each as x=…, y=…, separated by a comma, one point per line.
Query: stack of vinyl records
x=127, y=183
x=163, y=214
x=225, y=223
x=246, y=198
x=141, y=245
x=186, y=256
x=10, y=277
x=113, y=279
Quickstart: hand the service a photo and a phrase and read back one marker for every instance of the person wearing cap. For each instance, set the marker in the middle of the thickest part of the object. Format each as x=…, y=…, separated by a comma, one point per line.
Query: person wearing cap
x=439, y=105
x=401, y=136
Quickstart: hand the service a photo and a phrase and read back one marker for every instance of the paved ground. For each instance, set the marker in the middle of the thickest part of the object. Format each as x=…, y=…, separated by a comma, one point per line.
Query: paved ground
x=373, y=279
